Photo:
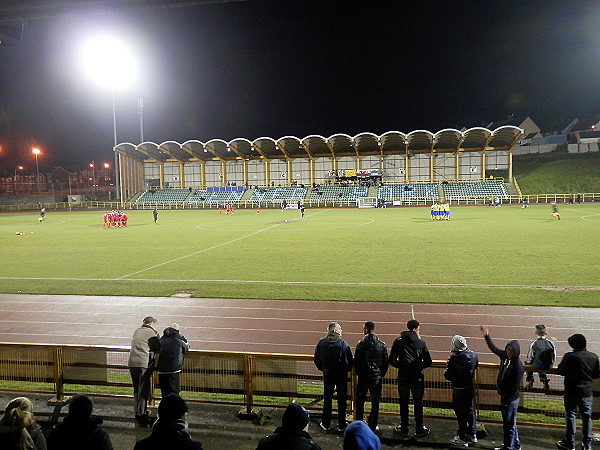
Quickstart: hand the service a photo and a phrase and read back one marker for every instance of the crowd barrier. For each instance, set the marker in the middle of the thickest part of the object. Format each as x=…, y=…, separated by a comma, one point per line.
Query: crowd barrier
x=252, y=380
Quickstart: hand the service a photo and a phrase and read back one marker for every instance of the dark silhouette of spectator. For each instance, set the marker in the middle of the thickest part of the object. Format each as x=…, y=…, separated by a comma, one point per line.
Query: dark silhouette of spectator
x=509, y=378
x=79, y=429
x=579, y=368
x=410, y=356
x=333, y=357
x=170, y=432
x=370, y=364
x=173, y=346
x=358, y=436
x=460, y=369
x=292, y=434
x=144, y=346
x=18, y=430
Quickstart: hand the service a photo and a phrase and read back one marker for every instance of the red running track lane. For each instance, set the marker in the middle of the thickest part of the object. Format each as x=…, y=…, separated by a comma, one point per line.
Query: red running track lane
x=281, y=326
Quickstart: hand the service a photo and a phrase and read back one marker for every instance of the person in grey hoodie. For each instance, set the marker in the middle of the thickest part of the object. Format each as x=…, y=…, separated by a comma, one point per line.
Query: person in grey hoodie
x=333, y=357
x=370, y=364
x=509, y=378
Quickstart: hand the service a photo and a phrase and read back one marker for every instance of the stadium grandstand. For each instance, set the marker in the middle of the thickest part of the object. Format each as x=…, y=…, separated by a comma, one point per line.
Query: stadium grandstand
x=420, y=166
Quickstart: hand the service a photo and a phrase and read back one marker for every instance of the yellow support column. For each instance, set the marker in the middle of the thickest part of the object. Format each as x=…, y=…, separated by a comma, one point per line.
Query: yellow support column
x=223, y=173
x=202, y=174
x=161, y=175
x=289, y=171
x=483, y=175
x=181, y=175
x=267, y=172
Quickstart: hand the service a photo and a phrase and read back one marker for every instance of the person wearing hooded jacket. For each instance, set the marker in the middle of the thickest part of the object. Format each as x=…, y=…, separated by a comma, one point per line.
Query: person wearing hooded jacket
x=579, y=368
x=358, y=436
x=333, y=357
x=170, y=431
x=460, y=369
x=173, y=346
x=370, y=364
x=410, y=356
x=293, y=432
x=79, y=429
x=509, y=378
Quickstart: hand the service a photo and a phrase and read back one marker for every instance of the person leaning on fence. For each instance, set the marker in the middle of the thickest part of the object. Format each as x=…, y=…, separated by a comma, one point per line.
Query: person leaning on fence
x=541, y=355
x=510, y=374
x=170, y=431
x=18, y=430
x=460, y=369
x=144, y=346
x=370, y=364
x=293, y=432
x=579, y=368
x=333, y=357
x=79, y=429
x=173, y=346
x=410, y=356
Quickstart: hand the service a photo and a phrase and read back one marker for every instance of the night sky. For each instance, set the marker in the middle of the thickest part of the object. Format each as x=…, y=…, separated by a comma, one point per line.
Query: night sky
x=276, y=68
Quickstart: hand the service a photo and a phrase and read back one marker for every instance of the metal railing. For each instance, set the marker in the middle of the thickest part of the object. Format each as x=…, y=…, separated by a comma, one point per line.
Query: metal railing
x=251, y=380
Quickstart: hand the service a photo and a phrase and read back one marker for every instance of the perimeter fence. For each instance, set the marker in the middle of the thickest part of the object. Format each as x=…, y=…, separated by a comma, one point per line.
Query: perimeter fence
x=253, y=380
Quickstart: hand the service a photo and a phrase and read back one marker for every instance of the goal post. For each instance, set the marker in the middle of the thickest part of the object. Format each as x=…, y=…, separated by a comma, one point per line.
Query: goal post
x=366, y=202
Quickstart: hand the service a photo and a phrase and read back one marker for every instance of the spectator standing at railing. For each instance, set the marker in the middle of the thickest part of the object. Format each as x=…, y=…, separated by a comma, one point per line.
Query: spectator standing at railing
x=173, y=346
x=370, y=364
x=333, y=357
x=410, y=356
x=18, y=430
x=144, y=347
x=579, y=368
x=509, y=379
x=460, y=369
x=79, y=430
x=293, y=432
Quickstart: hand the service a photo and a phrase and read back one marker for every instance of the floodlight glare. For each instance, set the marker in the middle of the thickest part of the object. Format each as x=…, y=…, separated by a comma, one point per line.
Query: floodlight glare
x=108, y=61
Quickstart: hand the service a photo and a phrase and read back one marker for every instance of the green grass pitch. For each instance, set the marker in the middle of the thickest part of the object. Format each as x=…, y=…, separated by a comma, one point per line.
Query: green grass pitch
x=505, y=255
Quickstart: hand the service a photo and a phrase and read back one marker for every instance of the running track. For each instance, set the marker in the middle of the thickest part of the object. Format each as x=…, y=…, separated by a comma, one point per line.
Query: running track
x=277, y=326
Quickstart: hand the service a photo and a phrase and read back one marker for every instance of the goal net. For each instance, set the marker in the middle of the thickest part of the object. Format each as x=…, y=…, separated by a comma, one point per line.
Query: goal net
x=366, y=202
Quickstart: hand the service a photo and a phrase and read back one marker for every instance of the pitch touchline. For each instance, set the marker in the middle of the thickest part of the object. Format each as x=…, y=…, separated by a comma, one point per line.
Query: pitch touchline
x=315, y=283
x=202, y=251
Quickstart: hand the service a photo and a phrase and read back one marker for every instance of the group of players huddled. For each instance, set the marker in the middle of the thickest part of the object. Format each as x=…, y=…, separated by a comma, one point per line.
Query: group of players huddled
x=115, y=219
x=440, y=211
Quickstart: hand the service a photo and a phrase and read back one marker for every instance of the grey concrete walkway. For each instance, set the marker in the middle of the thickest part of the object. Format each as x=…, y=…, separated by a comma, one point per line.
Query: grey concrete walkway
x=218, y=427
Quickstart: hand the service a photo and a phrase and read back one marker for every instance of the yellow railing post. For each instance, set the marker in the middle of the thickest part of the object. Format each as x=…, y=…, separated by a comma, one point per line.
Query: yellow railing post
x=248, y=387
x=57, y=356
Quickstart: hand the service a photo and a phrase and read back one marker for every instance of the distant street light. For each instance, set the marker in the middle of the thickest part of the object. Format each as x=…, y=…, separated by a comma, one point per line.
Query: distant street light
x=92, y=165
x=110, y=63
x=15, y=180
x=36, y=152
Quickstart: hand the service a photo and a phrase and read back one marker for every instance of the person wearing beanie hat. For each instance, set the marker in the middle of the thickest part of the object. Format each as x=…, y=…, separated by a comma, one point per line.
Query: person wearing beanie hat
x=358, y=436
x=541, y=355
x=144, y=346
x=173, y=346
x=579, y=368
x=170, y=430
x=79, y=429
x=460, y=369
x=292, y=434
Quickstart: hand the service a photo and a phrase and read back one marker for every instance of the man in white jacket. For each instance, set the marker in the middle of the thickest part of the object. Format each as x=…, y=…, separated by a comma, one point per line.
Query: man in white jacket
x=144, y=345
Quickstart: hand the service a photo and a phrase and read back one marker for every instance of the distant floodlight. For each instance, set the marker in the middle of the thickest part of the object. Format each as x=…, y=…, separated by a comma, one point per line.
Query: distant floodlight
x=108, y=61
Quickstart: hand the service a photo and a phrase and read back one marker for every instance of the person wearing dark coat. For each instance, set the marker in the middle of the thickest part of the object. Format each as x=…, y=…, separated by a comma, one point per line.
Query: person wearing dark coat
x=410, y=356
x=460, y=369
x=509, y=379
x=170, y=431
x=292, y=434
x=173, y=346
x=370, y=364
x=579, y=368
x=79, y=429
x=333, y=357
